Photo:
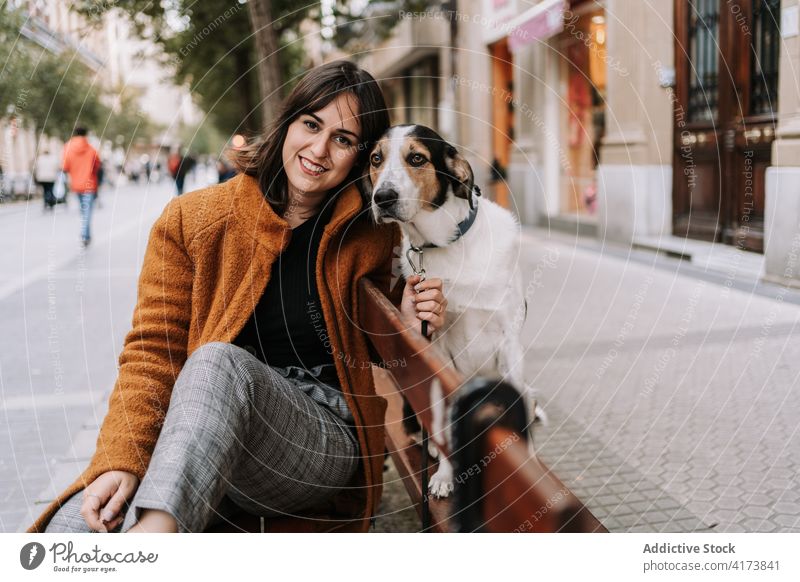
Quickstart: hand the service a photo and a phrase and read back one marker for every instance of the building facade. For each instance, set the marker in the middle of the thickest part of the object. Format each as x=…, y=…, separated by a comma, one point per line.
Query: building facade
x=51, y=25
x=635, y=120
x=119, y=59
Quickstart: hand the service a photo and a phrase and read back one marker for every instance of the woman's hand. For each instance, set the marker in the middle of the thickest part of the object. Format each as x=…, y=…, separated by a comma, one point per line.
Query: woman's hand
x=423, y=301
x=104, y=497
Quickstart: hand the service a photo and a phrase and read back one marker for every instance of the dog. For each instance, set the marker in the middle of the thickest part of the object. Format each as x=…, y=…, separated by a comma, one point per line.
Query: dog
x=418, y=180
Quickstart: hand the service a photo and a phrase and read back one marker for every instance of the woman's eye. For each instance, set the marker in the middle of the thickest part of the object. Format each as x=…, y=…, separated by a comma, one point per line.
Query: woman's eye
x=417, y=159
x=375, y=159
x=343, y=140
x=311, y=125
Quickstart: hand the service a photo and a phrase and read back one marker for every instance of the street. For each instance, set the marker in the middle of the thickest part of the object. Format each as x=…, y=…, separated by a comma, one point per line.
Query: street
x=65, y=313
x=672, y=400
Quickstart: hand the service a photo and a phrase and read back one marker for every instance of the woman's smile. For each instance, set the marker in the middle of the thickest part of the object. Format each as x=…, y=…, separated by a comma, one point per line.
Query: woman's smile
x=310, y=167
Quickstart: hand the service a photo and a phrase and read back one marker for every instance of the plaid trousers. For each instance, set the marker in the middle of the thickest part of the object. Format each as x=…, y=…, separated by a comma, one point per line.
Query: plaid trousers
x=240, y=434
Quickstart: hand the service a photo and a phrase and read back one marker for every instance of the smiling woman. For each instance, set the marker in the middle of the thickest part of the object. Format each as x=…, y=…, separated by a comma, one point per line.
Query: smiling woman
x=245, y=384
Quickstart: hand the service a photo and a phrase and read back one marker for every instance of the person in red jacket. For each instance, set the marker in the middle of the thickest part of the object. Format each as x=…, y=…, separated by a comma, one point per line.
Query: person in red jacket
x=82, y=163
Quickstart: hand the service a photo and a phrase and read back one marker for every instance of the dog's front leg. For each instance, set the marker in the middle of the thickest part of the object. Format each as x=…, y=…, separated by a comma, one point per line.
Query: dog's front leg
x=441, y=483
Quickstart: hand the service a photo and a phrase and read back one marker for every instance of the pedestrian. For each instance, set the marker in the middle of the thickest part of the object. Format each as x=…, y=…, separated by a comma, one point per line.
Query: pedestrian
x=81, y=163
x=2, y=184
x=245, y=383
x=148, y=166
x=45, y=172
x=179, y=167
x=101, y=174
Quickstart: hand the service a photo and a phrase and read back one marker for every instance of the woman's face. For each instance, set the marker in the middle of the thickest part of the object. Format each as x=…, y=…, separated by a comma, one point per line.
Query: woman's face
x=321, y=147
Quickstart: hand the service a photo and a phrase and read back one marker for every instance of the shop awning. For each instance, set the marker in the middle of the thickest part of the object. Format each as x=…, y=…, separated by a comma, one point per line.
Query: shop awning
x=537, y=23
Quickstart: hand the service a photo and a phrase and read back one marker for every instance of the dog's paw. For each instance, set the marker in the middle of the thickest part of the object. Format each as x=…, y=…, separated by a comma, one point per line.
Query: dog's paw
x=441, y=483
x=440, y=486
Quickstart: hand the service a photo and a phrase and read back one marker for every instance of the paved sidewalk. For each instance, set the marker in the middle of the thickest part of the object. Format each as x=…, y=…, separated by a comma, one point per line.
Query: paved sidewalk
x=673, y=401
x=672, y=394
x=65, y=312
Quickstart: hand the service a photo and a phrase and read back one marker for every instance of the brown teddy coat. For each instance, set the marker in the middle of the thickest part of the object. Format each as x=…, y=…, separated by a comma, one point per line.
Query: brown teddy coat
x=207, y=263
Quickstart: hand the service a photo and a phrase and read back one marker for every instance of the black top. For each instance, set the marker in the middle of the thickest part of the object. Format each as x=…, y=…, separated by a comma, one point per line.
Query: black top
x=287, y=327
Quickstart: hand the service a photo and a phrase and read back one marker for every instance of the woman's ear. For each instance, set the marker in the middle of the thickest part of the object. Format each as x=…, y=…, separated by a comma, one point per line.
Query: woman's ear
x=461, y=177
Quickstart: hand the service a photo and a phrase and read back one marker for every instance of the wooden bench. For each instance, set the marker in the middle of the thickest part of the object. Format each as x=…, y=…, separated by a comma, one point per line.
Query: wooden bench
x=499, y=486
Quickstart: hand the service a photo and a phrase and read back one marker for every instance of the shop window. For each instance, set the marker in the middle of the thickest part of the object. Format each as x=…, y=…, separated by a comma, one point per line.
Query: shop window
x=422, y=92
x=703, y=55
x=764, y=57
x=583, y=49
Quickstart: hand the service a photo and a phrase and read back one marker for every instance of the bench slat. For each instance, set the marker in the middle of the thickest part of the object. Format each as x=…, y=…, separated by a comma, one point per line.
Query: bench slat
x=513, y=500
x=521, y=494
x=407, y=457
x=420, y=361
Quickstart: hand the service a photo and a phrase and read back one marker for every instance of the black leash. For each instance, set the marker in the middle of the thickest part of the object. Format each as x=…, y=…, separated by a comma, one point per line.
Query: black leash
x=418, y=270
x=426, y=510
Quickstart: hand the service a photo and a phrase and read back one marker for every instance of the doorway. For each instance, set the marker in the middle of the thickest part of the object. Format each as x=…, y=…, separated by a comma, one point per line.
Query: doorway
x=584, y=70
x=502, y=118
x=725, y=108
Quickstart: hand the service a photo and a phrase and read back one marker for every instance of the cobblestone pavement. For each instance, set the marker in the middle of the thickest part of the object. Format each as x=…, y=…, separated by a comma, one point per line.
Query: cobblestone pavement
x=395, y=514
x=672, y=400
x=65, y=313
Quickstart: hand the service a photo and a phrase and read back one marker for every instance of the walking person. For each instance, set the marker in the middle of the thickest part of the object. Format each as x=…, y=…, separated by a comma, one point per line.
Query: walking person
x=82, y=163
x=179, y=167
x=101, y=174
x=245, y=383
x=45, y=172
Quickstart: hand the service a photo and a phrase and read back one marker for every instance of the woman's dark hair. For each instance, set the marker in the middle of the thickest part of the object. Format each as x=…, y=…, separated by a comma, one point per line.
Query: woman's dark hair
x=263, y=158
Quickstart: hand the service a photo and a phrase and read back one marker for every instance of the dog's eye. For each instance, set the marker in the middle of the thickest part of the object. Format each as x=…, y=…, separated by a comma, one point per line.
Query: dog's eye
x=417, y=159
x=375, y=159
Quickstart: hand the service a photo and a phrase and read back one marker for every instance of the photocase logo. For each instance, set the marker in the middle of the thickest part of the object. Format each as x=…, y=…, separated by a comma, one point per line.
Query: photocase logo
x=31, y=555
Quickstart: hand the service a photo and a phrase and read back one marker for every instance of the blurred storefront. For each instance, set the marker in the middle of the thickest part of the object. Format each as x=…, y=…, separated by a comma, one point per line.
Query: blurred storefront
x=639, y=122
x=412, y=93
x=583, y=117
x=546, y=86
x=496, y=43
x=413, y=69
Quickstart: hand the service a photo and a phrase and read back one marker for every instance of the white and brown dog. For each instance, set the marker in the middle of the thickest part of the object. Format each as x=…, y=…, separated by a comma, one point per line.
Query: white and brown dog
x=420, y=181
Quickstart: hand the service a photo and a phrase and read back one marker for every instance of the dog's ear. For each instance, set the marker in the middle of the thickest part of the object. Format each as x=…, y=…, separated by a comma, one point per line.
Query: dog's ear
x=460, y=175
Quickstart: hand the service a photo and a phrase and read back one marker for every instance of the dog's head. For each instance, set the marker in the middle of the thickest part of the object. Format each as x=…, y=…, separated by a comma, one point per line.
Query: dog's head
x=412, y=169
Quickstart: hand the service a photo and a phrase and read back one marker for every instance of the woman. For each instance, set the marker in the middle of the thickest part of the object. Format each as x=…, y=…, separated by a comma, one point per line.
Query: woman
x=274, y=410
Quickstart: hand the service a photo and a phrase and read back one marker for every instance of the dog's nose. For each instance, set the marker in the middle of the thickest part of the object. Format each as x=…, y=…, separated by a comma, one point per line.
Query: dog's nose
x=385, y=197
